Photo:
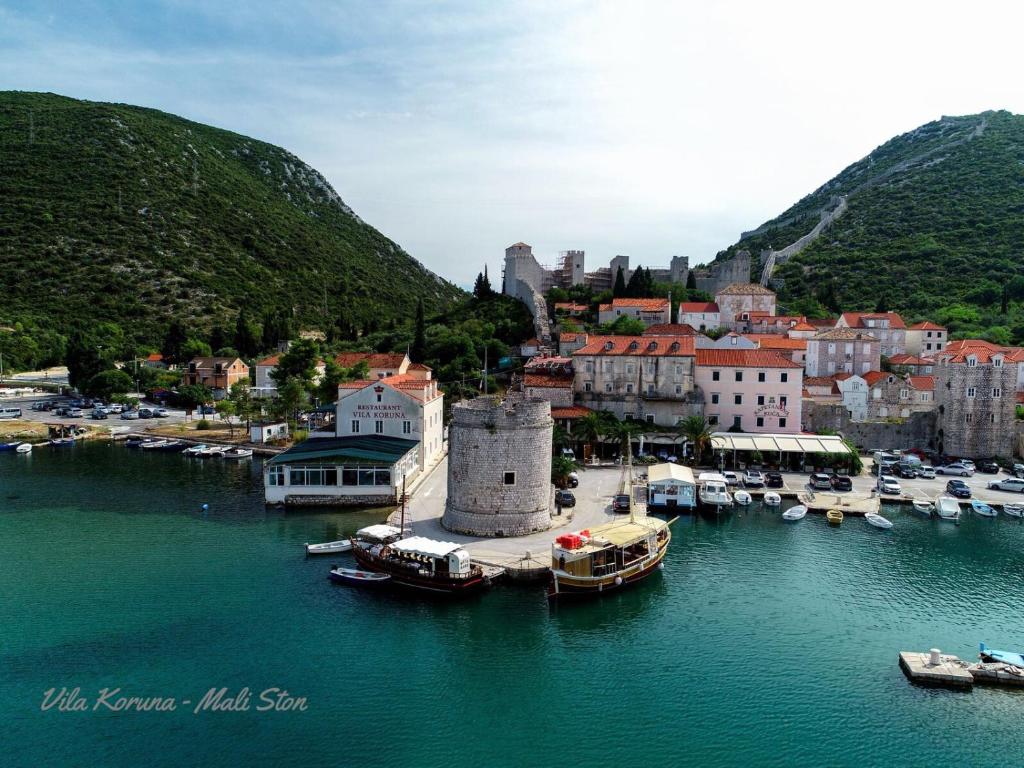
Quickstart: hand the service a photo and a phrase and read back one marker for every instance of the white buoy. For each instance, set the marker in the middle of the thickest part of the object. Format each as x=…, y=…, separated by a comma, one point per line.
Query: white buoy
x=935, y=657
x=205, y=507
x=618, y=580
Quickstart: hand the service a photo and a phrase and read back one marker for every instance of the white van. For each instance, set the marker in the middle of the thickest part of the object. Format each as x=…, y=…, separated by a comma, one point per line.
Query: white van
x=10, y=413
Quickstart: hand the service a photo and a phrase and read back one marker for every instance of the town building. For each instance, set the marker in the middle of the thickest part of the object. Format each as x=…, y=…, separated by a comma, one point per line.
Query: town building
x=777, y=324
x=570, y=308
x=649, y=378
x=739, y=303
x=853, y=393
x=842, y=350
x=648, y=311
x=894, y=395
x=926, y=339
x=549, y=378
x=155, y=360
x=887, y=327
x=670, y=329
x=974, y=392
x=701, y=315
x=731, y=340
x=216, y=373
x=383, y=364
x=266, y=386
x=569, y=342
x=919, y=366
x=794, y=348
x=750, y=390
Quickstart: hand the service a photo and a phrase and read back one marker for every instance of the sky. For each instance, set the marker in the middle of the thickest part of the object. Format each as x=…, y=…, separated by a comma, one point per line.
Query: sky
x=457, y=128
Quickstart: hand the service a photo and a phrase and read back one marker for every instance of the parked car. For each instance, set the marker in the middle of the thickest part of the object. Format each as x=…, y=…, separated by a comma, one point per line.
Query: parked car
x=886, y=468
x=820, y=481
x=956, y=468
x=987, y=466
x=773, y=480
x=129, y=415
x=620, y=503
x=906, y=471
x=73, y=413
x=42, y=405
x=959, y=489
x=842, y=483
x=98, y=413
x=145, y=413
x=926, y=472
x=890, y=485
x=731, y=479
x=753, y=478
x=208, y=410
x=115, y=408
x=1018, y=470
x=565, y=498
x=574, y=479
x=1008, y=484
x=160, y=413
x=61, y=410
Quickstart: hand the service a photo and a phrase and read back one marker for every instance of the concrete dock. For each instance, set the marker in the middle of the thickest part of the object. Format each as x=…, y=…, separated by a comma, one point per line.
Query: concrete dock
x=937, y=669
x=848, y=503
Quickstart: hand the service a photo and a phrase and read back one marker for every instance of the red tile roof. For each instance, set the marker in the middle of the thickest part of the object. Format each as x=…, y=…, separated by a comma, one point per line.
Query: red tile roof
x=707, y=307
x=873, y=376
x=856, y=319
x=374, y=360
x=803, y=325
x=542, y=380
x=818, y=381
x=570, y=412
x=927, y=325
x=570, y=337
x=156, y=357
x=652, y=305
x=910, y=360
x=272, y=360
x=822, y=322
x=923, y=382
x=535, y=342
x=650, y=346
x=984, y=351
x=745, y=289
x=775, y=341
x=743, y=358
x=670, y=329
x=570, y=306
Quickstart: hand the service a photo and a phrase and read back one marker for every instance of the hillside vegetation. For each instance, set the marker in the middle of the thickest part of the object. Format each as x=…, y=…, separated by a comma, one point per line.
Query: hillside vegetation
x=119, y=214
x=934, y=228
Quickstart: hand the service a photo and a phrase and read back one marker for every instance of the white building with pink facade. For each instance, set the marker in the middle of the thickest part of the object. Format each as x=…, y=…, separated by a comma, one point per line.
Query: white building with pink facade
x=750, y=390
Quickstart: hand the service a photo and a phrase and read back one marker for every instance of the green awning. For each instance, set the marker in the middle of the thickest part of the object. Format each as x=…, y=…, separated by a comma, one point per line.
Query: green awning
x=375, y=450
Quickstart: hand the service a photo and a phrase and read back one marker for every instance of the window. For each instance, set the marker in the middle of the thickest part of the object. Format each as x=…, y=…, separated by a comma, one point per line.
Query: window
x=713, y=420
x=738, y=399
x=972, y=362
x=904, y=394
x=760, y=399
x=379, y=427
x=831, y=348
x=650, y=418
x=737, y=422
x=275, y=476
x=782, y=401
x=510, y=478
x=997, y=392
x=406, y=427
x=355, y=426
x=679, y=389
x=590, y=366
x=969, y=417
x=760, y=421
x=997, y=362
x=629, y=389
x=608, y=387
x=782, y=422
x=714, y=375
x=849, y=348
x=784, y=377
x=876, y=394
x=867, y=349
x=629, y=368
x=714, y=398
x=587, y=386
x=650, y=389
x=992, y=418
x=971, y=391
x=929, y=346
x=379, y=398
x=760, y=376
x=679, y=370
x=739, y=375
x=865, y=367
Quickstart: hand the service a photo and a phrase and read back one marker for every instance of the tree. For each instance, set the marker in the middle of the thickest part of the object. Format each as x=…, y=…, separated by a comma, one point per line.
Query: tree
x=334, y=374
x=245, y=405
x=246, y=338
x=620, y=284
x=299, y=362
x=85, y=357
x=624, y=325
x=561, y=467
x=560, y=438
x=697, y=433
x=226, y=409
x=691, y=280
x=418, y=352
x=482, y=286
x=291, y=394
x=174, y=341
x=191, y=396
x=106, y=384
x=195, y=348
x=634, y=288
x=218, y=338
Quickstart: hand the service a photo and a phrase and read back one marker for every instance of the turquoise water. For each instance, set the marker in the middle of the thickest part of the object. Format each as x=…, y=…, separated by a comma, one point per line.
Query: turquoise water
x=761, y=643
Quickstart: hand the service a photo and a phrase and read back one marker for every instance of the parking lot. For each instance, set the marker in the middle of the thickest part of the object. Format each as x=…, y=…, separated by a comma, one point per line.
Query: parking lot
x=112, y=422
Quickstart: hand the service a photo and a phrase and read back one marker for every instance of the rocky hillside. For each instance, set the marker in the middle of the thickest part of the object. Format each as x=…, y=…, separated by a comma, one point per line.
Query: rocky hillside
x=931, y=224
x=117, y=213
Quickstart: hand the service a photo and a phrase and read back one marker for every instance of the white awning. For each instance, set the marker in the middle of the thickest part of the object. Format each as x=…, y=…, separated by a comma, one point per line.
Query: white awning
x=810, y=445
x=668, y=471
x=418, y=545
x=379, y=531
x=789, y=443
x=765, y=443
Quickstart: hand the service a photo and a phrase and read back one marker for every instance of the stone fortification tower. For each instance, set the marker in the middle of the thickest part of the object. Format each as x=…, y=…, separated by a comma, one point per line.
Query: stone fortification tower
x=499, y=467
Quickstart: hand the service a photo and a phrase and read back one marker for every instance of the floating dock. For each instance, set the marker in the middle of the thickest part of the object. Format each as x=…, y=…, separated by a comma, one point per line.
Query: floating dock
x=848, y=504
x=938, y=669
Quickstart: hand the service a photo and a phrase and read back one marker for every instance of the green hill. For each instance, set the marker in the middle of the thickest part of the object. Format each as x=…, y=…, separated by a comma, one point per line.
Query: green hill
x=122, y=214
x=933, y=227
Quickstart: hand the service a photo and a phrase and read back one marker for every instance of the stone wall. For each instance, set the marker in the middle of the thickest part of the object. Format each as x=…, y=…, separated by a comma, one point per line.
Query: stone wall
x=981, y=425
x=917, y=431
x=720, y=274
x=487, y=439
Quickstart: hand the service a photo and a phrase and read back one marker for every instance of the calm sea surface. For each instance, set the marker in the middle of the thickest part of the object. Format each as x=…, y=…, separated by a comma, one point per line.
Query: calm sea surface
x=761, y=643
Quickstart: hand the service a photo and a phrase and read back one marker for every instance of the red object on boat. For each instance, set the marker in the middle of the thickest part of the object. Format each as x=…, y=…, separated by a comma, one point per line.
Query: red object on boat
x=570, y=541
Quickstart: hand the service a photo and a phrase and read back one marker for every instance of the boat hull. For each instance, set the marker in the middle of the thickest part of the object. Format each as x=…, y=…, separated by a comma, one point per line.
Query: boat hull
x=565, y=586
x=332, y=548
x=422, y=584
x=359, y=578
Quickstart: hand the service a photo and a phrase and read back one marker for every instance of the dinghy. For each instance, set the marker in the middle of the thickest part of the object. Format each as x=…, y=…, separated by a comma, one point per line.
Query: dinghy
x=62, y=442
x=358, y=578
x=878, y=521
x=211, y=451
x=1014, y=510
x=983, y=509
x=742, y=498
x=948, y=508
x=798, y=512
x=834, y=517
x=19, y=447
x=772, y=499
x=926, y=508
x=152, y=445
x=329, y=547
x=24, y=448
x=195, y=450
x=237, y=453
x=1006, y=657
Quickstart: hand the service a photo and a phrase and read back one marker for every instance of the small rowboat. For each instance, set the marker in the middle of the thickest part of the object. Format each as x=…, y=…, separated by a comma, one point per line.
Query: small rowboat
x=195, y=450
x=152, y=445
x=878, y=521
x=983, y=509
x=742, y=498
x=1014, y=510
x=834, y=517
x=926, y=508
x=358, y=578
x=1006, y=657
x=18, y=447
x=210, y=451
x=237, y=453
x=329, y=547
x=798, y=512
x=772, y=499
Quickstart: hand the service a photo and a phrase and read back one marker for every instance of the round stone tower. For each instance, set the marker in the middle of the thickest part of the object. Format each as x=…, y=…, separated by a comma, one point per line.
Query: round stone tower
x=499, y=467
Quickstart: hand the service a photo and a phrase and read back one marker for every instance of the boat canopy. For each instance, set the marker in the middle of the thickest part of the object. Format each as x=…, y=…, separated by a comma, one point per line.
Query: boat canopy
x=621, y=534
x=418, y=545
x=662, y=472
x=379, y=531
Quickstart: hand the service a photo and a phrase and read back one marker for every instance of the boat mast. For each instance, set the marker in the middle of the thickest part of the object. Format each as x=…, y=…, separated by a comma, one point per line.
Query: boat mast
x=403, y=505
x=629, y=477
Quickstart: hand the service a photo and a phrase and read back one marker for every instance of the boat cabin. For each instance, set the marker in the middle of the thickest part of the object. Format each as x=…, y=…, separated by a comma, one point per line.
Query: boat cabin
x=671, y=485
x=379, y=534
x=607, y=549
x=442, y=558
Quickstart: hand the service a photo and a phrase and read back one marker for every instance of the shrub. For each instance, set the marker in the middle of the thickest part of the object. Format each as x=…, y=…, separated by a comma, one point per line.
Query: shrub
x=202, y=424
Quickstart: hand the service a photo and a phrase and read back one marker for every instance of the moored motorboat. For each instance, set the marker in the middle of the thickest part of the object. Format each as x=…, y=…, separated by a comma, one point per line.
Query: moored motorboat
x=195, y=450
x=834, y=517
x=713, y=491
x=211, y=451
x=237, y=453
x=358, y=578
x=14, y=447
x=61, y=442
x=924, y=507
x=24, y=448
x=152, y=445
x=983, y=509
x=134, y=442
x=772, y=499
x=742, y=498
x=878, y=521
x=329, y=547
x=799, y=512
x=1014, y=510
x=1006, y=657
x=947, y=508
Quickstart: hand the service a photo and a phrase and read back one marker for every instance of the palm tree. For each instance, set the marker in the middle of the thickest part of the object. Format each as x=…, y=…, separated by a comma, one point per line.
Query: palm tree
x=695, y=430
x=588, y=429
x=560, y=438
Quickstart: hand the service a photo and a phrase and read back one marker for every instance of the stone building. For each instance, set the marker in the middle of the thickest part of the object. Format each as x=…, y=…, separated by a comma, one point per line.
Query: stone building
x=926, y=339
x=842, y=350
x=739, y=303
x=974, y=391
x=894, y=395
x=649, y=378
x=499, y=467
x=887, y=327
x=648, y=311
x=702, y=315
x=549, y=378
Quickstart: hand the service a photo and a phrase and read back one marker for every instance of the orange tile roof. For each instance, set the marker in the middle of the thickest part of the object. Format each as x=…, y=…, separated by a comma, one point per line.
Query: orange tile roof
x=856, y=319
x=927, y=325
x=569, y=337
x=842, y=376
x=923, y=382
x=156, y=357
x=708, y=307
x=803, y=325
x=570, y=412
x=872, y=376
x=649, y=346
x=818, y=381
x=670, y=329
x=844, y=334
x=645, y=304
x=744, y=358
x=570, y=306
x=745, y=289
x=775, y=341
x=984, y=351
x=910, y=360
x=373, y=359
x=272, y=360
x=541, y=380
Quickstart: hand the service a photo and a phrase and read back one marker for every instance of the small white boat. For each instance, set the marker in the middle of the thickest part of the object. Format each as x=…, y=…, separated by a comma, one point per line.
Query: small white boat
x=772, y=499
x=1014, y=510
x=237, y=453
x=878, y=521
x=153, y=445
x=799, y=512
x=195, y=450
x=24, y=448
x=742, y=498
x=983, y=509
x=329, y=547
x=210, y=451
x=359, y=578
x=948, y=508
x=926, y=508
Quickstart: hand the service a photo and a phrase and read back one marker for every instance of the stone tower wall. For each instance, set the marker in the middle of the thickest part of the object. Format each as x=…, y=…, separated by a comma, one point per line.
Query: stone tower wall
x=990, y=430
x=486, y=440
